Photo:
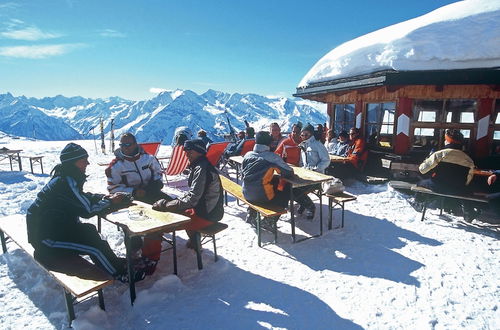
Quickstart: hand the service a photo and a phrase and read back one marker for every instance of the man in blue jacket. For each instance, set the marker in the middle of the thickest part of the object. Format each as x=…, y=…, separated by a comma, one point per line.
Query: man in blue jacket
x=54, y=227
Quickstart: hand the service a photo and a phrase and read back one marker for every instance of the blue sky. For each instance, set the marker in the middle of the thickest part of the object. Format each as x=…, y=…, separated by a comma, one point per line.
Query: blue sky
x=133, y=49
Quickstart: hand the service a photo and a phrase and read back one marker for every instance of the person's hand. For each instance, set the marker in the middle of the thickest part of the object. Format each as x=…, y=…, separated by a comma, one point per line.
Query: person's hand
x=140, y=193
x=491, y=179
x=159, y=205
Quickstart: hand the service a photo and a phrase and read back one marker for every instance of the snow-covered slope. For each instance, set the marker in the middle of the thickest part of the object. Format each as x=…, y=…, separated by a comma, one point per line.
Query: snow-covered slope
x=61, y=118
x=462, y=35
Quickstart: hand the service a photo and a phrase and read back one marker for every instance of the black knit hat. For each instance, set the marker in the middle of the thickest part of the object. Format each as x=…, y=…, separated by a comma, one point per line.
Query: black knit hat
x=263, y=137
x=196, y=144
x=72, y=152
x=309, y=128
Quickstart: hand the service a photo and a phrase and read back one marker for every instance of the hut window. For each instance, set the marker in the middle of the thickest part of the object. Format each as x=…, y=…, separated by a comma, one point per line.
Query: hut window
x=344, y=117
x=427, y=111
x=379, y=125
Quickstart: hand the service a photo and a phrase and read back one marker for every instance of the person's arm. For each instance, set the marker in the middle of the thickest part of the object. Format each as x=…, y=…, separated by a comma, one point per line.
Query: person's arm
x=324, y=158
x=285, y=170
x=85, y=205
x=114, y=176
x=430, y=162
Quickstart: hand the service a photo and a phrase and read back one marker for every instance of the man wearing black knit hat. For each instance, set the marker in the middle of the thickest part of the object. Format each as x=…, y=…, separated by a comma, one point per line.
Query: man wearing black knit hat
x=54, y=227
x=204, y=199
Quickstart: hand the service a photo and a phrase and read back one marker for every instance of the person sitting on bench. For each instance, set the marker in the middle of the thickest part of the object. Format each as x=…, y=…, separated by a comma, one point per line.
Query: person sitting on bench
x=205, y=199
x=260, y=186
x=53, y=224
x=451, y=172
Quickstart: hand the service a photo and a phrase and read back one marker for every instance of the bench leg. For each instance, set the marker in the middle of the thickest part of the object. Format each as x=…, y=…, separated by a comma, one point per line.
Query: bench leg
x=423, y=210
x=41, y=165
x=259, y=243
x=31, y=165
x=4, y=245
x=320, y=212
x=330, y=213
x=69, y=306
x=198, y=249
x=174, y=251
x=216, y=257
x=100, y=296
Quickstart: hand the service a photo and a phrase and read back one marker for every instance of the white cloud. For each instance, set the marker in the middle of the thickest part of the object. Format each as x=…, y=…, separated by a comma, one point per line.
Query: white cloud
x=157, y=90
x=38, y=52
x=28, y=33
x=109, y=33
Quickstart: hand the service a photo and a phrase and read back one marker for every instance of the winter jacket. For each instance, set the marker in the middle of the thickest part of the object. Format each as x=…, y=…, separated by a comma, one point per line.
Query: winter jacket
x=258, y=170
x=57, y=208
x=356, y=152
x=340, y=149
x=314, y=155
x=205, y=193
x=286, y=145
x=128, y=173
x=450, y=167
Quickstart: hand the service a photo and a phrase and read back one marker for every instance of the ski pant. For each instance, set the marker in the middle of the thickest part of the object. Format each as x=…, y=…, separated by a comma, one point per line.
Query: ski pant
x=83, y=240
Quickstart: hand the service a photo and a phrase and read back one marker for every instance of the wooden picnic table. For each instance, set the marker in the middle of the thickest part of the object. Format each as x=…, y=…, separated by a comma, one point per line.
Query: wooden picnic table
x=303, y=177
x=13, y=156
x=140, y=219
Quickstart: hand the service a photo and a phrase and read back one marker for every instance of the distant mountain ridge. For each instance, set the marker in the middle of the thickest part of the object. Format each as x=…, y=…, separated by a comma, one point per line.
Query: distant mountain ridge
x=69, y=118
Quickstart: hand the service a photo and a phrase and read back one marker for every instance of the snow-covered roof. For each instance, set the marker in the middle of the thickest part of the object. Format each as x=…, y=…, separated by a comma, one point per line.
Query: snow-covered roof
x=462, y=35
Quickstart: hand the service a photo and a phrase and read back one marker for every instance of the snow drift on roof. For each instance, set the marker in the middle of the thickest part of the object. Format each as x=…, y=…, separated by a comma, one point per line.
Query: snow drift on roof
x=463, y=35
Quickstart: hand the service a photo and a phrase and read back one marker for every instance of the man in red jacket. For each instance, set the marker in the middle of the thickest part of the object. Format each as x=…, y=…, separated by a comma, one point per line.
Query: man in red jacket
x=357, y=154
x=288, y=148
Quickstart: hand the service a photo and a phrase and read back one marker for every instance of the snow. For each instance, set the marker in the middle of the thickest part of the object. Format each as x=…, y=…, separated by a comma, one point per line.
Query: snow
x=462, y=35
x=384, y=270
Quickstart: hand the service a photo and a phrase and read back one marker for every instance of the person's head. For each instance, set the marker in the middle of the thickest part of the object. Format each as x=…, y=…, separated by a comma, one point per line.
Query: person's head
x=74, y=155
x=263, y=137
x=296, y=132
x=241, y=135
x=343, y=136
x=128, y=144
x=275, y=130
x=453, y=137
x=330, y=135
x=202, y=133
x=249, y=132
x=194, y=149
x=307, y=132
x=354, y=133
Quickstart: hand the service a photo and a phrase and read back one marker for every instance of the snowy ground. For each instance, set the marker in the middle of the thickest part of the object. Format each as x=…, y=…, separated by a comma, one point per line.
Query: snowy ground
x=384, y=270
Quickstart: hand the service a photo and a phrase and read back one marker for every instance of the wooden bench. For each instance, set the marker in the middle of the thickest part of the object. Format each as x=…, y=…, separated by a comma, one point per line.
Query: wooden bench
x=78, y=277
x=35, y=160
x=428, y=192
x=338, y=199
x=236, y=190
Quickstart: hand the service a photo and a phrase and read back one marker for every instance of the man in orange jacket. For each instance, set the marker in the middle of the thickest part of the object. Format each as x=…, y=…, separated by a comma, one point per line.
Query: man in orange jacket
x=357, y=154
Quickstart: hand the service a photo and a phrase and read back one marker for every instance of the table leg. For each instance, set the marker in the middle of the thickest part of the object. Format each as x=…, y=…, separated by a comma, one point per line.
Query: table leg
x=20, y=164
x=130, y=267
x=292, y=214
x=343, y=207
x=174, y=251
x=320, y=211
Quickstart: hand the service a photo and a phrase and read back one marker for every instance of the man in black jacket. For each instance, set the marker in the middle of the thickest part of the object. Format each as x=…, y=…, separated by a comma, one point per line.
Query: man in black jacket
x=54, y=227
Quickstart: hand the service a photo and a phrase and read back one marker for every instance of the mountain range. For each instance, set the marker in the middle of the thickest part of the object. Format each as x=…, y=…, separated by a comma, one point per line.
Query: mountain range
x=72, y=118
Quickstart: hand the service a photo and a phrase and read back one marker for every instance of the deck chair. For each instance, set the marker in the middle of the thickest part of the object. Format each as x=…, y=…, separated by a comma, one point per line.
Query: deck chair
x=150, y=147
x=178, y=162
x=215, y=151
x=247, y=146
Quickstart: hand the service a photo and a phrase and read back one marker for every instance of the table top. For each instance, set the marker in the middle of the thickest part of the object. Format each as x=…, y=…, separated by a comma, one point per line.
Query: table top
x=141, y=219
x=304, y=177
x=236, y=159
x=9, y=151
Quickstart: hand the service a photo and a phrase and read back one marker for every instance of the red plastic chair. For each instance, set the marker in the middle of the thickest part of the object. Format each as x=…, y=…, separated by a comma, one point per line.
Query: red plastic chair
x=150, y=147
x=247, y=146
x=178, y=162
x=215, y=151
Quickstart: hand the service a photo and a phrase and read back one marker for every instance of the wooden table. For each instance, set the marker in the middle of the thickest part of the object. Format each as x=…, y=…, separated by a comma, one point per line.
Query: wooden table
x=13, y=156
x=140, y=219
x=237, y=161
x=303, y=177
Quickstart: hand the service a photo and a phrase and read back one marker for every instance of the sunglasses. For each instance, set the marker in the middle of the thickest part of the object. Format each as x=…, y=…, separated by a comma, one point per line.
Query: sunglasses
x=126, y=145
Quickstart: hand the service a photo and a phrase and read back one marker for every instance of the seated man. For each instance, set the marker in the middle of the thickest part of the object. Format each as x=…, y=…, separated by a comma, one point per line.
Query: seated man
x=53, y=220
x=342, y=145
x=259, y=183
x=135, y=172
x=290, y=143
x=451, y=171
x=314, y=157
x=204, y=200
x=356, y=155
x=236, y=148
